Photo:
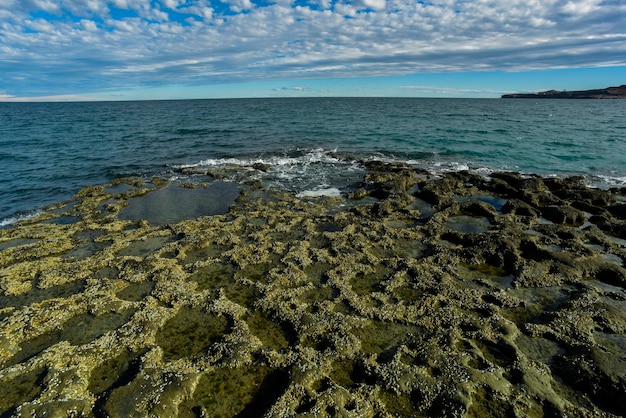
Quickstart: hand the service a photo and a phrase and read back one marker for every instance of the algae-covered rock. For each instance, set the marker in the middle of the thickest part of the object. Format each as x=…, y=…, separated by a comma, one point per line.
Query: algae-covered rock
x=417, y=295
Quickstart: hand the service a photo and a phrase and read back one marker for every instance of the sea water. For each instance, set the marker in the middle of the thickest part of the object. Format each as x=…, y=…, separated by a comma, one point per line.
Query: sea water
x=311, y=146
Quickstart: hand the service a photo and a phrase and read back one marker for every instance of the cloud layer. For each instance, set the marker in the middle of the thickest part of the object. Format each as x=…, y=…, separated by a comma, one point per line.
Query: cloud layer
x=50, y=47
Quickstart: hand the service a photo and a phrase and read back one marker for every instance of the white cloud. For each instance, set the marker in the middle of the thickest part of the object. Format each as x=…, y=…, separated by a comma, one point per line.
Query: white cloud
x=448, y=91
x=85, y=7
x=239, y=6
x=346, y=9
x=323, y=4
x=54, y=98
x=132, y=4
x=158, y=15
x=284, y=2
x=171, y=4
x=293, y=88
x=49, y=6
x=373, y=4
x=89, y=25
x=581, y=7
x=200, y=9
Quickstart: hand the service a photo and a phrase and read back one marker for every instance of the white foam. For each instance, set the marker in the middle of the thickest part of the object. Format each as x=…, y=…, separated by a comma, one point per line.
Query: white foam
x=311, y=172
x=612, y=181
x=218, y=162
x=318, y=155
x=327, y=192
x=17, y=218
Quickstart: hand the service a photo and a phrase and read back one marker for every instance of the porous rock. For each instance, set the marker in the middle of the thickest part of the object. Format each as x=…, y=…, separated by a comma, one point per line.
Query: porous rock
x=324, y=306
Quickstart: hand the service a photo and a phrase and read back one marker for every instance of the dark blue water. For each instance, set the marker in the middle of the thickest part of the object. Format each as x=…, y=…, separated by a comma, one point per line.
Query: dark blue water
x=48, y=151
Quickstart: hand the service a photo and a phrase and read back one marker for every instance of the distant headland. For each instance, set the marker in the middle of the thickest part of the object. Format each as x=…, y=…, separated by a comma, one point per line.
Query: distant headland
x=607, y=93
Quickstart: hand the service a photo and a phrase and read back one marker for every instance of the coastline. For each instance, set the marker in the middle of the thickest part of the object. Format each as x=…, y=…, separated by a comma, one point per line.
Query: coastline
x=416, y=294
x=618, y=92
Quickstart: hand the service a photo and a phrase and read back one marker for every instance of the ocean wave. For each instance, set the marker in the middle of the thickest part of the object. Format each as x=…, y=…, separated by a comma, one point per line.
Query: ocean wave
x=607, y=181
x=302, y=171
x=11, y=220
x=293, y=158
x=312, y=169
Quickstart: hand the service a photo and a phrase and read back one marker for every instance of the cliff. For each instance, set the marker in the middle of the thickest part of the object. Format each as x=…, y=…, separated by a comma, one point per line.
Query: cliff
x=607, y=93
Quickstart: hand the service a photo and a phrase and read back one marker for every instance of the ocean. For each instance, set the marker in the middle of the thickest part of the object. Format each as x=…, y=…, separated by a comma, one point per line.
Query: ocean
x=48, y=151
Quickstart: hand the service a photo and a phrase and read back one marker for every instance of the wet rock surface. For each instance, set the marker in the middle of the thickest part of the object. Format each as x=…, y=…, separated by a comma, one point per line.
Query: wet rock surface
x=419, y=295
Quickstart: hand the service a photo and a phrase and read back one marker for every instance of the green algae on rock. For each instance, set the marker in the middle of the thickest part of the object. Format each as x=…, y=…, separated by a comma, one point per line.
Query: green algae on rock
x=418, y=296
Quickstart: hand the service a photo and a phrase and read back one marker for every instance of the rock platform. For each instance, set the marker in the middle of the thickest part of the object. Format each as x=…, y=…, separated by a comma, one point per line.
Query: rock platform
x=414, y=295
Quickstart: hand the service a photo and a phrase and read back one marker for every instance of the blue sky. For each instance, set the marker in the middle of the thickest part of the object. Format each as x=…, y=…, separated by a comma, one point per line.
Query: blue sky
x=166, y=49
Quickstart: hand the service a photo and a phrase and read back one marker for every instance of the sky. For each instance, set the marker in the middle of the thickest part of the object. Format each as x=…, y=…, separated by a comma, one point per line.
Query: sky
x=58, y=50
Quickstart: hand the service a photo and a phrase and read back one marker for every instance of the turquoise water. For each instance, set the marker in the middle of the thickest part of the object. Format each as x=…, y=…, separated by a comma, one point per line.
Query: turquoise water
x=48, y=151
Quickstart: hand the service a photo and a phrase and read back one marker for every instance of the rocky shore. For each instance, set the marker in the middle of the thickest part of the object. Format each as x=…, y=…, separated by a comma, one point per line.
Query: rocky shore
x=415, y=295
